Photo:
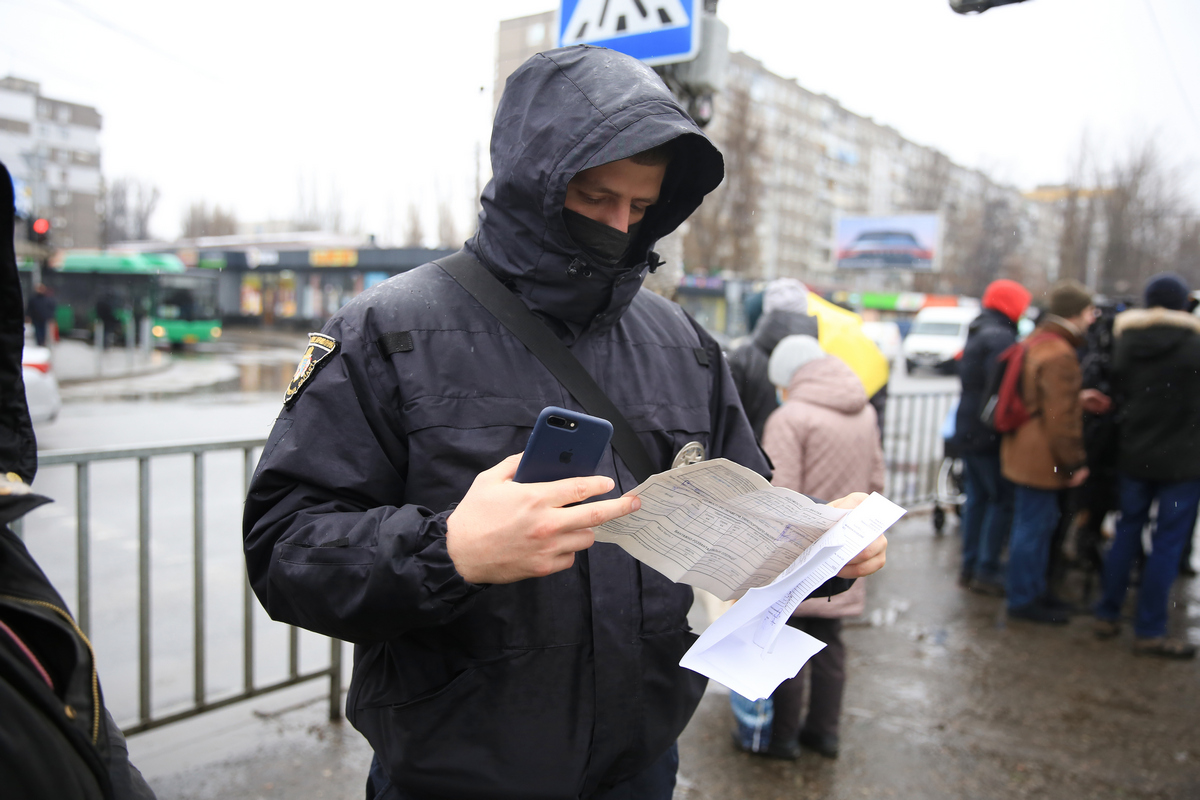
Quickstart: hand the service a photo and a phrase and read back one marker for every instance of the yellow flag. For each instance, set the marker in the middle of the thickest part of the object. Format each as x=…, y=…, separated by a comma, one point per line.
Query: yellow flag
x=841, y=335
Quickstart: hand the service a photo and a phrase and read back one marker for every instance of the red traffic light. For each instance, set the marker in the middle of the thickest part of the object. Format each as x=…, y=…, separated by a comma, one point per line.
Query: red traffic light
x=41, y=226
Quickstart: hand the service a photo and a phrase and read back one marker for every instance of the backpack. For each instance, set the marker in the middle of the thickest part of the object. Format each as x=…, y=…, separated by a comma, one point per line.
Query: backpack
x=1004, y=409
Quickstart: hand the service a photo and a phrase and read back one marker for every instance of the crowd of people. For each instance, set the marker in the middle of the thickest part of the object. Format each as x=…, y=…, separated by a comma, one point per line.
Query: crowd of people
x=1112, y=421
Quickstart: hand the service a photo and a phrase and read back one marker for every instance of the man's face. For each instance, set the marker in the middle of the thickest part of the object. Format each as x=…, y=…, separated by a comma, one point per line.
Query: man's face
x=616, y=194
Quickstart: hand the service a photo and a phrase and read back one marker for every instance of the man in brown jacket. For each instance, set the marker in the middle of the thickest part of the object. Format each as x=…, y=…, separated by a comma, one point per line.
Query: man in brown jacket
x=1046, y=455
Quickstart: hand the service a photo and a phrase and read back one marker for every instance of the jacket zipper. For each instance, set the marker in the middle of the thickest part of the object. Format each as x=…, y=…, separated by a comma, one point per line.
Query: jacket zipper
x=95, y=678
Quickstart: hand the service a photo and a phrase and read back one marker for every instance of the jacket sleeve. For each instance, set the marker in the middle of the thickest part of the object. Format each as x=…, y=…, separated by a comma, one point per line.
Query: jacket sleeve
x=1059, y=382
x=330, y=543
x=732, y=435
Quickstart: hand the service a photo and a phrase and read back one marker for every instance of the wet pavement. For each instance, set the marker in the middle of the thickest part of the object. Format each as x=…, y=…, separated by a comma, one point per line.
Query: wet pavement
x=944, y=699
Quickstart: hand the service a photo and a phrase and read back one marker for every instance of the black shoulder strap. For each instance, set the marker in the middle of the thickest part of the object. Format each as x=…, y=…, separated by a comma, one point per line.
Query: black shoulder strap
x=533, y=333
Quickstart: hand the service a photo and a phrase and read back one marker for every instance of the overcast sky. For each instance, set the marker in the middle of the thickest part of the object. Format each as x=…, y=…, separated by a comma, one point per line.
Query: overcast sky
x=376, y=105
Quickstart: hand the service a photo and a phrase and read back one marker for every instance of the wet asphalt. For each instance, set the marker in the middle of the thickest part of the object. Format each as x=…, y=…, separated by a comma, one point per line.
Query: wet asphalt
x=944, y=699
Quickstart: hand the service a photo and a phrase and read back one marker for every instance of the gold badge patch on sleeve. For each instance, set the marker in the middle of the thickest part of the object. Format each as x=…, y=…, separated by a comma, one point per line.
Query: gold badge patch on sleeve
x=320, y=348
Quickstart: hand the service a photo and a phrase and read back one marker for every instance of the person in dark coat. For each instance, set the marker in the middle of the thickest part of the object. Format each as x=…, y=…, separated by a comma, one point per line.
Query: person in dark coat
x=987, y=514
x=499, y=653
x=39, y=311
x=1156, y=381
x=785, y=313
x=57, y=740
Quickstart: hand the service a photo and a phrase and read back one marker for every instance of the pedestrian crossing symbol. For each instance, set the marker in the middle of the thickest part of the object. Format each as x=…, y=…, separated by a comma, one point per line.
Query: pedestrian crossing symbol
x=653, y=31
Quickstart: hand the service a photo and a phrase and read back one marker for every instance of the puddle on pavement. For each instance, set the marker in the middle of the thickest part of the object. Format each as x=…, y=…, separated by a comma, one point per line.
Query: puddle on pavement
x=265, y=377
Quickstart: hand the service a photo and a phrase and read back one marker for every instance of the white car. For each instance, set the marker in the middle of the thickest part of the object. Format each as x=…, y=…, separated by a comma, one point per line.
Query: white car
x=41, y=387
x=937, y=336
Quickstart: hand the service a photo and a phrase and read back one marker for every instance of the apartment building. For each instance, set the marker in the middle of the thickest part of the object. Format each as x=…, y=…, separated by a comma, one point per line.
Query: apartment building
x=52, y=149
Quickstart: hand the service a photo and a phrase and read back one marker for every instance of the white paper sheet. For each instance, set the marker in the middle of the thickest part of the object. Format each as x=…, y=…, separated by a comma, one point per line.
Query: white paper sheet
x=750, y=648
x=719, y=526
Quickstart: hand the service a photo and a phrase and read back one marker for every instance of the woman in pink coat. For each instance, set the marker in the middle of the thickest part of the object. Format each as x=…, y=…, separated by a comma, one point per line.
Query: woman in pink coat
x=824, y=442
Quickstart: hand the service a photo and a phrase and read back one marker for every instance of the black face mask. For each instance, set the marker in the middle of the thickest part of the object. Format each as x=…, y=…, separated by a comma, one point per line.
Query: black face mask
x=602, y=245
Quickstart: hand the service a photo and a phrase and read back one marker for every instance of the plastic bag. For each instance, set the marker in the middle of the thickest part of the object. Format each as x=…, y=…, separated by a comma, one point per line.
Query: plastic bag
x=753, y=719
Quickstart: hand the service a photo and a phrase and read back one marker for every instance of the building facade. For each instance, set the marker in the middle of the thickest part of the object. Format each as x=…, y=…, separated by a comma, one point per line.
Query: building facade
x=52, y=149
x=517, y=40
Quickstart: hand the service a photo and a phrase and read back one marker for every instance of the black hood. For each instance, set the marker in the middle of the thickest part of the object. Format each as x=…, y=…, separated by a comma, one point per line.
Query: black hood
x=18, y=448
x=564, y=111
x=778, y=323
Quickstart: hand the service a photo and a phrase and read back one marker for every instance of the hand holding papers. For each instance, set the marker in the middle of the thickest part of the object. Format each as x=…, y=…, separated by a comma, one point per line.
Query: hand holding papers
x=725, y=529
x=718, y=526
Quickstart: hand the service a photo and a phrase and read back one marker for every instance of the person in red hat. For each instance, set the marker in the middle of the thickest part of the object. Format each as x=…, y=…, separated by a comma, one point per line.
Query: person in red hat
x=987, y=514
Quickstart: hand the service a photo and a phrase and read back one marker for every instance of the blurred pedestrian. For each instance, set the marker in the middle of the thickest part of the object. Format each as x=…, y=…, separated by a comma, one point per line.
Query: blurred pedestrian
x=987, y=513
x=1097, y=497
x=1046, y=454
x=1156, y=380
x=40, y=311
x=784, y=313
x=107, y=316
x=824, y=442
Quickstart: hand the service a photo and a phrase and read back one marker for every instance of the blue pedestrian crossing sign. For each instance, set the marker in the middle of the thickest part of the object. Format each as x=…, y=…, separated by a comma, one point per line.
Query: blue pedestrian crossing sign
x=653, y=31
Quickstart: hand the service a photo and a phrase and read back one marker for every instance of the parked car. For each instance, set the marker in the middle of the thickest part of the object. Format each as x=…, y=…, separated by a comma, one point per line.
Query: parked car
x=937, y=337
x=885, y=249
x=41, y=387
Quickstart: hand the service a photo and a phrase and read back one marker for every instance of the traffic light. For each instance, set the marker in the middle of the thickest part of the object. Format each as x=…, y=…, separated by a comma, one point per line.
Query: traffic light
x=39, y=230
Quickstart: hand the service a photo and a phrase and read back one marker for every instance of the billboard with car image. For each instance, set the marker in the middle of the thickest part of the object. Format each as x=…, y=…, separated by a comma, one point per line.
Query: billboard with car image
x=900, y=242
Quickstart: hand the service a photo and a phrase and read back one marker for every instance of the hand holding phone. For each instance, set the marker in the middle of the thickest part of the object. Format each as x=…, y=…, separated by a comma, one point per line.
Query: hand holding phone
x=564, y=444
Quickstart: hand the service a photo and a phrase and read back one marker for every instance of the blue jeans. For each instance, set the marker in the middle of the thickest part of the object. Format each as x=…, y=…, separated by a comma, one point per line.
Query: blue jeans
x=655, y=782
x=987, y=515
x=1176, y=514
x=1035, y=516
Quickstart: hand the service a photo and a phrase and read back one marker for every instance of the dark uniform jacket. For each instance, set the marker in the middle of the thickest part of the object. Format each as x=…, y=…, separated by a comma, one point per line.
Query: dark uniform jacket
x=56, y=738
x=989, y=335
x=1156, y=380
x=550, y=687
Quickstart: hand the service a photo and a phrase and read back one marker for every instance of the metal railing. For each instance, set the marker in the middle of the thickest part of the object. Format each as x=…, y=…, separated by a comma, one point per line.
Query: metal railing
x=912, y=445
x=200, y=701
x=913, y=454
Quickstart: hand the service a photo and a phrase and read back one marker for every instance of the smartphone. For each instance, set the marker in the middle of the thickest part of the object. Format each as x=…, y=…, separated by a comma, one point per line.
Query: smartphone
x=564, y=444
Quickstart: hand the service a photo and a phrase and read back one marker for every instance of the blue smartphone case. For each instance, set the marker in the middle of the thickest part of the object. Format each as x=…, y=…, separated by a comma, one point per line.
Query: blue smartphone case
x=564, y=444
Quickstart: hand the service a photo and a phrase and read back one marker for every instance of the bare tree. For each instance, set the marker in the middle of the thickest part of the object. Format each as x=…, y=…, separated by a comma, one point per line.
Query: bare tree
x=200, y=220
x=983, y=239
x=1078, y=210
x=1141, y=211
x=722, y=234
x=447, y=229
x=414, y=234
x=1187, y=252
x=128, y=206
x=926, y=181
x=311, y=214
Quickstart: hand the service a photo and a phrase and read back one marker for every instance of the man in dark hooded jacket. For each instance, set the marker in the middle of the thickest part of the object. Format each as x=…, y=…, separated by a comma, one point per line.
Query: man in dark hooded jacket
x=987, y=515
x=499, y=652
x=57, y=740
